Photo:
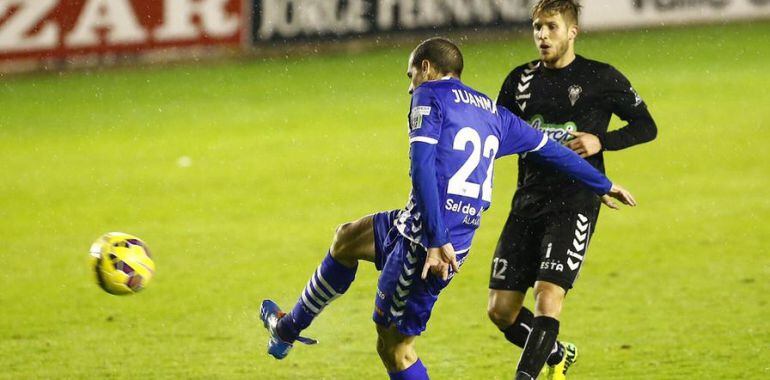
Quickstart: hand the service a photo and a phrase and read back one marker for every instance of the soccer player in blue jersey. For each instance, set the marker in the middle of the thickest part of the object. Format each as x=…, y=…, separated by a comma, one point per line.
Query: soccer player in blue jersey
x=455, y=135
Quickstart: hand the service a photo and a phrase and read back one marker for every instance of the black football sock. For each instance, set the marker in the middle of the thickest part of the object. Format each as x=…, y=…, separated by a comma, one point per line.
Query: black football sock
x=557, y=354
x=539, y=345
x=524, y=376
x=518, y=332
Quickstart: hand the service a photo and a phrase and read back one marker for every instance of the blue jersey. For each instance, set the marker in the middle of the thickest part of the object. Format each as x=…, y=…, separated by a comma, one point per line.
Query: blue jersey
x=468, y=131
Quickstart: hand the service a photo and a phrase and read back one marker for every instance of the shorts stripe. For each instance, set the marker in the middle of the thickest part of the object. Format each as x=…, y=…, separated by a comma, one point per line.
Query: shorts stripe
x=405, y=278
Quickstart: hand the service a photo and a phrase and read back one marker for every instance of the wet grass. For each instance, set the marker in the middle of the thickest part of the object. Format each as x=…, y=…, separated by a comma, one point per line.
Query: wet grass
x=284, y=150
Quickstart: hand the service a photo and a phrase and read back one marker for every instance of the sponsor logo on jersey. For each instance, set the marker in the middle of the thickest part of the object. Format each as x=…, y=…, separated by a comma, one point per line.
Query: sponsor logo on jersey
x=460, y=206
x=574, y=93
x=472, y=215
x=472, y=220
x=556, y=132
x=552, y=265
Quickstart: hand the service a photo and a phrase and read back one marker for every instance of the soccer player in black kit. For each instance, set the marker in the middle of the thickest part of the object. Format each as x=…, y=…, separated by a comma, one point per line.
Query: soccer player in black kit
x=544, y=241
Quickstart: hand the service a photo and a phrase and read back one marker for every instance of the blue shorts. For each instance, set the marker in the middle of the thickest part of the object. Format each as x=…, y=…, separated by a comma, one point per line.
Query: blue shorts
x=403, y=298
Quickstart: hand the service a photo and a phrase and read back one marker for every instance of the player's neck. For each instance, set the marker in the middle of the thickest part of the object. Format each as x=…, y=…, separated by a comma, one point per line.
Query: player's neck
x=443, y=76
x=562, y=62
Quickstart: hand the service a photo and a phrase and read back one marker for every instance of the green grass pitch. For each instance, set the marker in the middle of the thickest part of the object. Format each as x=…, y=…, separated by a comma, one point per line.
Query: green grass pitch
x=282, y=151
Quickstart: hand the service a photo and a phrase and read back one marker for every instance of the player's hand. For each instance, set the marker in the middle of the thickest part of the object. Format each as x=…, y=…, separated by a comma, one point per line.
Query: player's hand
x=584, y=144
x=439, y=260
x=620, y=194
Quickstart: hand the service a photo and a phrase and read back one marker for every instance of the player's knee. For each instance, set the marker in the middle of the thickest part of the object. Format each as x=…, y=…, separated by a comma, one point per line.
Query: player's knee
x=501, y=316
x=395, y=357
x=549, y=299
x=503, y=307
x=549, y=291
x=381, y=351
x=341, y=246
x=387, y=355
x=396, y=360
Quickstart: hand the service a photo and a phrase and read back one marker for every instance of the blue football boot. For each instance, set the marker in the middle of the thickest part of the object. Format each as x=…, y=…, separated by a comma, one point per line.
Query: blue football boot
x=270, y=313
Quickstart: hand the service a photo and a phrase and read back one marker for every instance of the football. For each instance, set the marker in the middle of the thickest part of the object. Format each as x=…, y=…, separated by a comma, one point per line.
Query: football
x=122, y=263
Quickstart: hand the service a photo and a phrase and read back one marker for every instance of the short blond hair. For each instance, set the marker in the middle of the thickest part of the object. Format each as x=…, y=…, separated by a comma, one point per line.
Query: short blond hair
x=569, y=9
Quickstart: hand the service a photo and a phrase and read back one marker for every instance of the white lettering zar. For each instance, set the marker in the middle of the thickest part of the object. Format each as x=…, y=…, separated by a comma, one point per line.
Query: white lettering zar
x=16, y=32
x=214, y=19
x=112, y=22
x=115, y=16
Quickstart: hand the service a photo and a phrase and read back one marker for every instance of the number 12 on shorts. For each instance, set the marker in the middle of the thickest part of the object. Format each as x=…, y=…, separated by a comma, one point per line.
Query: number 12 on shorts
x=498, y=268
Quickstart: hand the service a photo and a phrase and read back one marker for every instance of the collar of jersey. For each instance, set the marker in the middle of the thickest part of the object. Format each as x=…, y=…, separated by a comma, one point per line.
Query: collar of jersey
x=563, y=69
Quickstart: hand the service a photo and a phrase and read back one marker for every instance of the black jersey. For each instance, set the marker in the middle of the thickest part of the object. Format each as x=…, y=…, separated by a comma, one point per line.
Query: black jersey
x=579, y=97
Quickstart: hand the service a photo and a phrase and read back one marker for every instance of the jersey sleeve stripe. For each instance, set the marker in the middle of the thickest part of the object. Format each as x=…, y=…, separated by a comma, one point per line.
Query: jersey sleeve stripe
x=423, y=139
x=541, y=145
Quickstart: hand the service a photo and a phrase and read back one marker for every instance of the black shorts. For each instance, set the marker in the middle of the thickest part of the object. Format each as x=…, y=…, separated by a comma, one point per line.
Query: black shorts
x=550, y=247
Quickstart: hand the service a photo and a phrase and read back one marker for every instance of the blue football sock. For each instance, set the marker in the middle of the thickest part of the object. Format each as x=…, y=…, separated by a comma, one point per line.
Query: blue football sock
x=329, y=281
x=416, y=371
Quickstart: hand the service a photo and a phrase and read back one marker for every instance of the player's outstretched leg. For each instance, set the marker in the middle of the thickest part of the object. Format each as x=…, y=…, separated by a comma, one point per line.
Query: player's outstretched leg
x=352, y=242
x=505, y=310
x=545, y=328
x=398, y=355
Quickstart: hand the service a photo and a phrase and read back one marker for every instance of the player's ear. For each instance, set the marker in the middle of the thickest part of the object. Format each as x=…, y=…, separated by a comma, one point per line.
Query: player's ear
x=425, y=66
x=573, y=31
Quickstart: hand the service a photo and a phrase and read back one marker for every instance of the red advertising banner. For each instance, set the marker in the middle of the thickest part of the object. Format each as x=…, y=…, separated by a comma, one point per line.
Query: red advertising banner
x=51, y=29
